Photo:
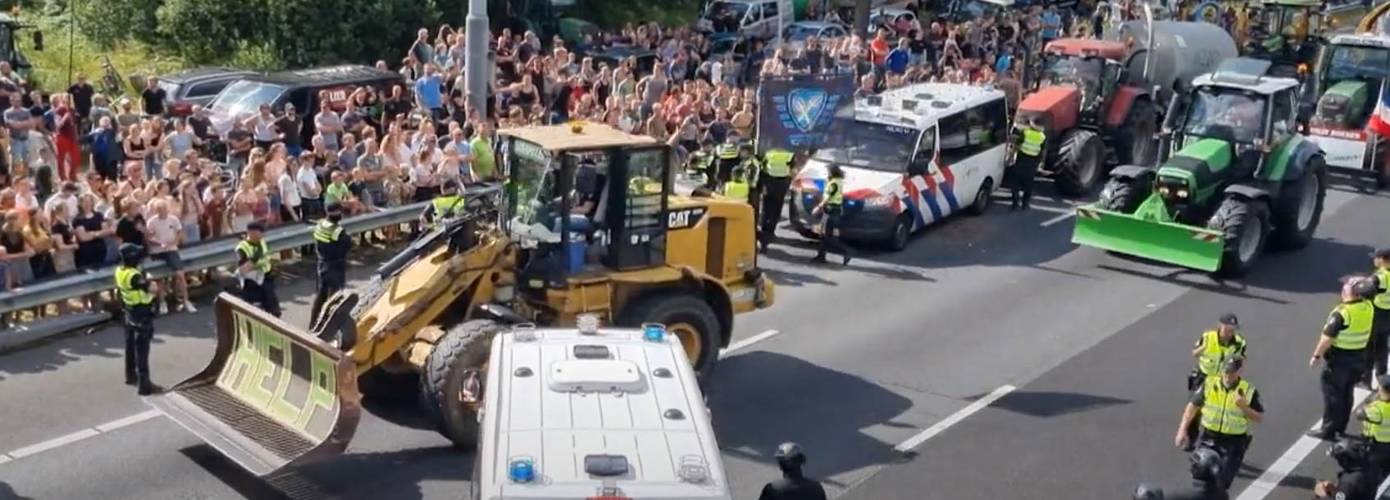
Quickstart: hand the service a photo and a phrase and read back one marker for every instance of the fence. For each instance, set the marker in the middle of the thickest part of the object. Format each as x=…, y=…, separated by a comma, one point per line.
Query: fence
x=204, y=255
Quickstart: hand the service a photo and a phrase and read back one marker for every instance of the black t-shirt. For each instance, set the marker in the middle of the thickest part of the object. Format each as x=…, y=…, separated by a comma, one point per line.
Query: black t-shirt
x=131, y=229
x=239, y=135
x=153, y=100
x=293, y=128
x=396, y=107
x=82, y=98
x=90, y=253
x=200, y=126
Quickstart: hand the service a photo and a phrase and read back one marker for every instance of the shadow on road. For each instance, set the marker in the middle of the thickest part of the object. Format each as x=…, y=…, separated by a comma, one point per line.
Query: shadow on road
x=761, y=399
x=392, y=474
x=7, y=492
x=1046, y=404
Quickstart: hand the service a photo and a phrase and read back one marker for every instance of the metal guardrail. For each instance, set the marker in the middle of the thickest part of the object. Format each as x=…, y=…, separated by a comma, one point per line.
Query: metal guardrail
x=195, y=257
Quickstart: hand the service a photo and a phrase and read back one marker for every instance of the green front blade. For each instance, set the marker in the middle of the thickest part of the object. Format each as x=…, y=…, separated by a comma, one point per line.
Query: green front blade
x=1179, y=244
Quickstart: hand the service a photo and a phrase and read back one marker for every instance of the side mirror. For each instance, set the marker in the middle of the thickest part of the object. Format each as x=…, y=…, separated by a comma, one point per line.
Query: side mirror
x=38, y=41
x=918, y=167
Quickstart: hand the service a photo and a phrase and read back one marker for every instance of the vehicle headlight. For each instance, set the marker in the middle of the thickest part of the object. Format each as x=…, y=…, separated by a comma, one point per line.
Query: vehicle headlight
x=1163, y=190
x=878, y=201
x=1182, y=193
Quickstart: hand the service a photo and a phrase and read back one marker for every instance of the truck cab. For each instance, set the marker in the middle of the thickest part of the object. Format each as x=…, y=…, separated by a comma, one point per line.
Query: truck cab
x=1345, y=86
x=762, y=19
x=623, y=418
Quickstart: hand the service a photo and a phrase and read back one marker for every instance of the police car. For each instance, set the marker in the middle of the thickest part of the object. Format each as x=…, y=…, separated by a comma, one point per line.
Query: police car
x=911, y=156
x=589, y=412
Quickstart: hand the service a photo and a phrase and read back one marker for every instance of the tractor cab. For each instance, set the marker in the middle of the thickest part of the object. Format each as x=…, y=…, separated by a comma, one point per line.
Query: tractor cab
x=1287, y=32
x=1237, y=113
x=1349, y=76
x=1093, y=67
x=586, y=199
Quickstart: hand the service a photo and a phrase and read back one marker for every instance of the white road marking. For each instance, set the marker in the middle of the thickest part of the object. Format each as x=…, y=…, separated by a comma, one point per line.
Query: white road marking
x=1058, y=218
x=953, y=419
x=747, y=342
x=128, y=421
x=1285, y=464
x=4, y=459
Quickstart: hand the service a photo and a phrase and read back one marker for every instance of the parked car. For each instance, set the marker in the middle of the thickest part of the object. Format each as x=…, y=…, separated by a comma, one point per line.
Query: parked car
x=796, y=33
x=242, y=98
x=198, y=86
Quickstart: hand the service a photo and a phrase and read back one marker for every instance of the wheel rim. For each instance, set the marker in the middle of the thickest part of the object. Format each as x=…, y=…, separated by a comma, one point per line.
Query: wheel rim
x=1089, y=167
x=1309, y=201
x=1249, y=240
x=690, y=340
x=982, y=197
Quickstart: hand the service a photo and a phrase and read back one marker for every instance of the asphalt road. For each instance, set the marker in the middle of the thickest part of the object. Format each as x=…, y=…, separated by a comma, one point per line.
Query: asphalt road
x=867, y=357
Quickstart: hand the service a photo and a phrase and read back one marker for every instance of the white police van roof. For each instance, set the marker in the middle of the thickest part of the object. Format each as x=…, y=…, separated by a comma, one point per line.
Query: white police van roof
x=574, y=404
x=922, y=105
x=1362, y=40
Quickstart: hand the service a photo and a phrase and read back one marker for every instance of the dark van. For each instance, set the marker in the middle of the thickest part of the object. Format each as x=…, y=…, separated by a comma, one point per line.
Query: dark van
x=243, y=98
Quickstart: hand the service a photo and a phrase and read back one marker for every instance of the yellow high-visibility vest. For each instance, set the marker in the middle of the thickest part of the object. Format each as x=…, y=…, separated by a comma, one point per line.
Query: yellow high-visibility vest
x=131, y=297
x=1356, y=325
x=1219, y=411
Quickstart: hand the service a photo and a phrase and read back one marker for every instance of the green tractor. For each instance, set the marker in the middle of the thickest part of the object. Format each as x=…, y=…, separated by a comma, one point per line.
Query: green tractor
x=1234, y=175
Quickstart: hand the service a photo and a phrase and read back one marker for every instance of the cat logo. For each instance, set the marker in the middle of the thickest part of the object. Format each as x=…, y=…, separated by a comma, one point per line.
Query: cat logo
x=684, y=218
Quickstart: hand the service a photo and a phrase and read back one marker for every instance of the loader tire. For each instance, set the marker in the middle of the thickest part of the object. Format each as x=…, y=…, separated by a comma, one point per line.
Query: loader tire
x=686, y=316
x=1134, y=141
x=1299, y=208
x=1080, y=163
x=368, y=297
x=1245, y=225
x=457, y=360
x=1123, y=195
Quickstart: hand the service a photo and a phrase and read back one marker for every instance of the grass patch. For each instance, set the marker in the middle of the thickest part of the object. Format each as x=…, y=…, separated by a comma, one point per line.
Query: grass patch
x=51, y=65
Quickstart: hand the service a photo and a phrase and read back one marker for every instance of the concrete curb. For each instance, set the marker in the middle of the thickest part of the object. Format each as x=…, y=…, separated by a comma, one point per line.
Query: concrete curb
x=19, y=337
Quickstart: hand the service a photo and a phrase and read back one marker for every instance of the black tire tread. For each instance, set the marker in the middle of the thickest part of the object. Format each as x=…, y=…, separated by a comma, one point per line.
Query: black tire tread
x=1229, y=218
x=1126, y=136
x=467, y=344
x=368, y=296
x=975, y=207
x=1286, y=235
x=1125, y=195
x=1069, y=153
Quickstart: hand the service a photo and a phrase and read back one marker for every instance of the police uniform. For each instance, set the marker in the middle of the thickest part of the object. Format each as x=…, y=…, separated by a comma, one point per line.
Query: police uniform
x=443, y=207
x=793, y=485
x=258, y=285
x=726, y=155
x=1380, y=326
x=833, y=208
x=1032, y=144
x=1213, y=355
x=1349, y=327
x=332, y=245
x=775, y=181
x=752, y=174
x=1376, y=426
x=132, y=287
x=1225, y=427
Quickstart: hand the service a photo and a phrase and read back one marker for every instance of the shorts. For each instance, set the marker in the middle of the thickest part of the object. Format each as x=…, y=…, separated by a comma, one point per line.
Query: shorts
x=171, y=259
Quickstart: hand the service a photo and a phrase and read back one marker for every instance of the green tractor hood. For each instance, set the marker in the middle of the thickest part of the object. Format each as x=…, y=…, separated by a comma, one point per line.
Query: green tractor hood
x=1343, y=104
x=1150, y=231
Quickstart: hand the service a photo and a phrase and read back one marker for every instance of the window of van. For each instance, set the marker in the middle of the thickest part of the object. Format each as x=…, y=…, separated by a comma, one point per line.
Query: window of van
x=245, y=96
x=973, y=131
x=770, y=10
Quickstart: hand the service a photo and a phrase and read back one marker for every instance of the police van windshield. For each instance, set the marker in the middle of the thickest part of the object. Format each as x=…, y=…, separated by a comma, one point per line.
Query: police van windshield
x=874, y=146
x=245, y=96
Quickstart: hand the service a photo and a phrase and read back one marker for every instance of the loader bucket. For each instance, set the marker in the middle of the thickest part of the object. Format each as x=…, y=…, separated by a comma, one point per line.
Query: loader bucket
x=273, y=396
x=1170, y=242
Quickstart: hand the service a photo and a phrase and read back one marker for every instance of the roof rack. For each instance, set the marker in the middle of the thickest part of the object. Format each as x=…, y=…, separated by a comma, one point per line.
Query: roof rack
x=1241, y=71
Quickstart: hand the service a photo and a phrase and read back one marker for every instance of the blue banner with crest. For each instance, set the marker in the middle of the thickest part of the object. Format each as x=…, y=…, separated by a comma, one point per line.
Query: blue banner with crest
x=795, y=111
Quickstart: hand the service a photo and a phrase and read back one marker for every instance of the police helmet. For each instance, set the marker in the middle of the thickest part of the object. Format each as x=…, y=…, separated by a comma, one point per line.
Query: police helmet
x=790, y=454
x=1348, y=453
x=1148, y=492
x=1206, y=464
x=130, y=252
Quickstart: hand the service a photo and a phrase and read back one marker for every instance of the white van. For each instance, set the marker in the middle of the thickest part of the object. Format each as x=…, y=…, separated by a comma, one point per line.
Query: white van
x=911, y=156
x=589, y=412
x=762, y=19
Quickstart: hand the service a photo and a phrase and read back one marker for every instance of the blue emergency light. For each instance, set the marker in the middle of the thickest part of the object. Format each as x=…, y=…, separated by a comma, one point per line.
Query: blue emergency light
x=654, y=332
x=522, y=470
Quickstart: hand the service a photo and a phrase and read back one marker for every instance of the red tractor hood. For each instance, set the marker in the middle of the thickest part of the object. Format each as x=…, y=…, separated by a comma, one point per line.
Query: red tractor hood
x=1058, y=106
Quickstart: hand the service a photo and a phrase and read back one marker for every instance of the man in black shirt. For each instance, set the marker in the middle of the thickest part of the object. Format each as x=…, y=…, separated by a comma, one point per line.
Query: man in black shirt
x=82, y=93
x=131, y=226
x=239, y=143
x=152, y=98
x=395, y=104
x=291, y=130
x=794, y=485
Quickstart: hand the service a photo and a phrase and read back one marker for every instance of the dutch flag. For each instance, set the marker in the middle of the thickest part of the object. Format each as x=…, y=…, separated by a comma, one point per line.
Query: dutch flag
x=1380, y=121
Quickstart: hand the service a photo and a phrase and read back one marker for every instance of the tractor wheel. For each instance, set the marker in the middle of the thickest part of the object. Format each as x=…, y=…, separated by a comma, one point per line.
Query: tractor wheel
x=368, y=297
x=1245, y=224
x=983, y=198
x=1080, y=164
x=1123, y=195
x=1299, y=208
x=1134, y=142
x=687, y=317
x=452, y=386
x=901, y=235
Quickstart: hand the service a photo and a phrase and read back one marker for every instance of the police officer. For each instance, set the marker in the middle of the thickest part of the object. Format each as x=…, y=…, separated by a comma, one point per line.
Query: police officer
x=1343, y=346
x=1357, y=478
x=448, y=204
x=726, y=155
x=254, y=270
x=737, y=186
x=775, y=181
x=1228, y=405
x=1380, y=327
x=1206, y=472
x=793, y=485
x=331, y=244
x=1375, y=418
x=832, y=206
x=1032, y=142
x=1212, y=350
x=137, y=293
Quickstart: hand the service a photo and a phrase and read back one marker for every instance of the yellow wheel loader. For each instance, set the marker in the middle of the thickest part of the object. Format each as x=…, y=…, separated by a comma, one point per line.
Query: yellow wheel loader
x=587, y=222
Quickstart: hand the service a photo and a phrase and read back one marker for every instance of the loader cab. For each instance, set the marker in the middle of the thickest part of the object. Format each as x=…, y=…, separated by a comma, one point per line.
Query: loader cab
x=586, y=199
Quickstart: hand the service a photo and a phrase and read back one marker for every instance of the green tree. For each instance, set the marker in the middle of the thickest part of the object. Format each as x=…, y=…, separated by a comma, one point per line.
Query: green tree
x=109, y=22
x=205, y=31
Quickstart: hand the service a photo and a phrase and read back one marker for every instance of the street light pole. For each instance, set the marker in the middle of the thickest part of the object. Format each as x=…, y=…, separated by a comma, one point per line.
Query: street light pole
x=72, y=36
x=475, y=58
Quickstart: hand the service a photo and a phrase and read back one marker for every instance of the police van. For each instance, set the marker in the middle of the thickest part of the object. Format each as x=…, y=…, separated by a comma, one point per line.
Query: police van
x=589, y=412
x=911, y=156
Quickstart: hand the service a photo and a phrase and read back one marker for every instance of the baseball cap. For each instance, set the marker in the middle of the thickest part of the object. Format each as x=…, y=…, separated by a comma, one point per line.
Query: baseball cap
x=1381, y=253
x=1233, y=364
x=255, y=226
x=1230, y=319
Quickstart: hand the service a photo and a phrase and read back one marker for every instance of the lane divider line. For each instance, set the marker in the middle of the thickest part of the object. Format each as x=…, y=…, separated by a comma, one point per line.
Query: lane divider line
x=143, y=416
x=1058, y=219
x=748, y=342
x=953, y=419
x=1277, y=471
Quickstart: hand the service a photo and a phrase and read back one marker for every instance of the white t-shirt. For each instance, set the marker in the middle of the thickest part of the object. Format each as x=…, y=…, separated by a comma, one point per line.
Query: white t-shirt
x=327, y=120
x=289, y=190
x=163, y=233
x=26, y=201
x=68, y=202
x=309, y=184
x=716, y=72
x=264, y=128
